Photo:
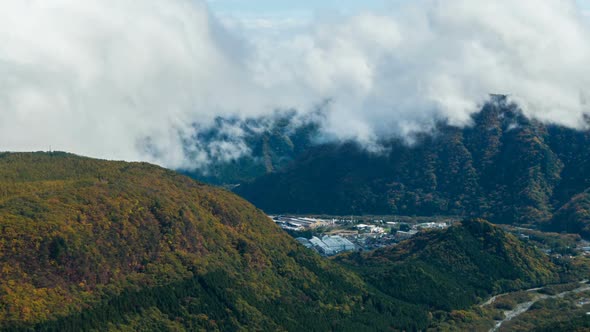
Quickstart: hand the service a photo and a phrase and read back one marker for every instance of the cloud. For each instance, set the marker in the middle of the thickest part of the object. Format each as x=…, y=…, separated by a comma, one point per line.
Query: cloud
x=134, y=80
x=101, y=78
x=396, y=73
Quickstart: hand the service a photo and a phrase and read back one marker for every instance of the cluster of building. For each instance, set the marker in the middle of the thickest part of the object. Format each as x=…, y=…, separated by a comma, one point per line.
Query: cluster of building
x=348, y=234
x=300, y=223
x=328, y=245
x=403, y=235
x=431, y=225
x=363, y=228
x=414, y=229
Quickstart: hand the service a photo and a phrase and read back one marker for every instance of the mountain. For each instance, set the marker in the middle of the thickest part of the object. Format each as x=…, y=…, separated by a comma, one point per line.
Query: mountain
x=270, y=144
x=574, y=217
x=505, y=167
x=455, y=268
x=99, y=245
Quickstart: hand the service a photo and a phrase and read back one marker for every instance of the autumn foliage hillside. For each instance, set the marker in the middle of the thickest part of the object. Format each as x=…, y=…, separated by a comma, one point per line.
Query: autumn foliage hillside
x=90, y=244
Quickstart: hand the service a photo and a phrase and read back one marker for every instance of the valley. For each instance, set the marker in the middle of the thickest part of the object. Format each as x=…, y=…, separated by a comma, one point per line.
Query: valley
x=504, y=166
x=363, y=233
x=90, y=244
x=537, y=295
x=294, y=166
x=536, y=309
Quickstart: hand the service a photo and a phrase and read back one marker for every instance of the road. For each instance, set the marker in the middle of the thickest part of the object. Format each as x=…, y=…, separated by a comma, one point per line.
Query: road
x=525, y=306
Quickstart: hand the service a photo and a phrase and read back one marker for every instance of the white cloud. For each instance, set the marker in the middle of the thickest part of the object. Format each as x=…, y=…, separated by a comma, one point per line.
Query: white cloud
x=108, y=78
x=98, y=77
x=396, y=73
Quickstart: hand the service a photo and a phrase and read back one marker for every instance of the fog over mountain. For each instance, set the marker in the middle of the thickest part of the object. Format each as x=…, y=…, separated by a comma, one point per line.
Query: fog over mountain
x=137, y=80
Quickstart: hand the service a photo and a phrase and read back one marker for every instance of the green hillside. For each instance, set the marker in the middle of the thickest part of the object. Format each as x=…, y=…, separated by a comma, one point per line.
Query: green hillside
x=89, y=244
x=112, y=246
x=574, y=217
x=455, y=268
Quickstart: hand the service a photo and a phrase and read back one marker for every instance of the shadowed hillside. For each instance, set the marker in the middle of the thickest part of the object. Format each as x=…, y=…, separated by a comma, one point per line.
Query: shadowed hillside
x=574, y=217
x=506, y=168
x=454, y=268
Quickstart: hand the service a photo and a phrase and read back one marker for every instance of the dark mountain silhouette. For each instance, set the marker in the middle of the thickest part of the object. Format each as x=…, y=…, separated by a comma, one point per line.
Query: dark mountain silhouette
x=505, y=167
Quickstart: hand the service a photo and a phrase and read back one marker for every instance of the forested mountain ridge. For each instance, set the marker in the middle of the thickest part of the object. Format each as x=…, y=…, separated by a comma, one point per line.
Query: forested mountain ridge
x=89, y=244
x=99, y=245
x=454, y=268
x=574, y=217
x=505, y=167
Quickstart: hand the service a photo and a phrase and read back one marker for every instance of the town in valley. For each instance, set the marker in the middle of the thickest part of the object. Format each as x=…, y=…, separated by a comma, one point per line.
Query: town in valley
x=332, y=235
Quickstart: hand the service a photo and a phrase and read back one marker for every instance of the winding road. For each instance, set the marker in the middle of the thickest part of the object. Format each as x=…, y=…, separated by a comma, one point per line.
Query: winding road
x=525, y=306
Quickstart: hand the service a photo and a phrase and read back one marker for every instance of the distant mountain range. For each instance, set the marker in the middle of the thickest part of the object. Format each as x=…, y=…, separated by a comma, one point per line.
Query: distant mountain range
x=96, y=245
x=505, y=167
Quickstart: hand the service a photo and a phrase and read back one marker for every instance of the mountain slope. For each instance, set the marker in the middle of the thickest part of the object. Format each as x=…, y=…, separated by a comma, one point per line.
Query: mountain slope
x=454, y=268
x=112, y=246
x=268, y=143
x=89, y=244
x=574, y=217
x=505, y=167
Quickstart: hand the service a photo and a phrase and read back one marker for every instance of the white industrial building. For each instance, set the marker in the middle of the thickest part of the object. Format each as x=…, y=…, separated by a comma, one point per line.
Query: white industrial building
x=331, y=245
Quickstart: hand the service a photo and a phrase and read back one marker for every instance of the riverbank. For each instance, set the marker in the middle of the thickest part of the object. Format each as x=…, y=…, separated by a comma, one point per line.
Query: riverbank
x=523, y=307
